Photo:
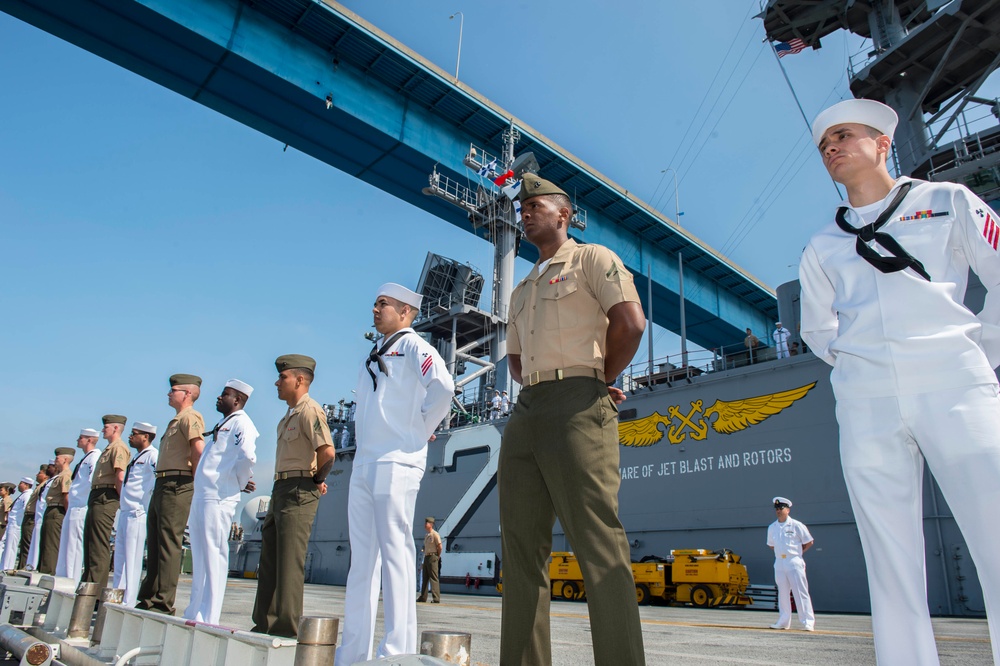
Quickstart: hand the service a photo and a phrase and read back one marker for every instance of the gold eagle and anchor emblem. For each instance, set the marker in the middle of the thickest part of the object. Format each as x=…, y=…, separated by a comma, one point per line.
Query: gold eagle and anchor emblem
x=731, y=416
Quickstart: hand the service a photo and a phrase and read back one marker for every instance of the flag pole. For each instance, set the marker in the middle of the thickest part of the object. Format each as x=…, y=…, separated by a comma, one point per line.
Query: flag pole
x=805, y=118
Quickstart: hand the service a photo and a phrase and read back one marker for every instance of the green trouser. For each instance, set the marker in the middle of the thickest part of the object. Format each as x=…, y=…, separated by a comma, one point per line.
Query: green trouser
x=284, y=542
x=559, y=458
x=27, y=528
x=48, y=553
x=165, y=522
x=101, y=509
x=431, y=564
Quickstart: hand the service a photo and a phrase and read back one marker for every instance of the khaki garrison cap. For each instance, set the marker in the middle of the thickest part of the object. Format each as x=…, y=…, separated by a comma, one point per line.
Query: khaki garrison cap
x=292, y=361
x=534, y=186
x=429, y=519
x=113, y=418
x=184, y=380
x=65, y=451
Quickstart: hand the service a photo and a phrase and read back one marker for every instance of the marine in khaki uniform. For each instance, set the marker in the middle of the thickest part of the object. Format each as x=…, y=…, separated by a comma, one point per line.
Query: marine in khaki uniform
x=105, y=492
x=28, y=522
x=305, y=457
x=575, y=324
x=180, y=450
x=432, y=561
x=6, y=500
x=56, y=501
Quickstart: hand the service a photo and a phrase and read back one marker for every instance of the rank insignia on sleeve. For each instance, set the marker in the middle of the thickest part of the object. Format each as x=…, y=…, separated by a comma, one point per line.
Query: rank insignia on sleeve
x=613, y=271
x=317, y=428
x=426, y=364
x=922, y=215
x=990, y=231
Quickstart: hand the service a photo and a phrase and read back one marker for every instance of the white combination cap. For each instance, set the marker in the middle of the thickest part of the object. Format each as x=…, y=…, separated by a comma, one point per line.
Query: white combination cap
x=242, y=387
x=782, y=500
x=141, y=426
x=89, y=432
x=861, y=111
x=27, y=479
x=400, y=293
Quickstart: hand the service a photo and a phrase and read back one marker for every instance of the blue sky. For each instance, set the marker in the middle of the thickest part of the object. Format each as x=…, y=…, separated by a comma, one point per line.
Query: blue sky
x=144, y=234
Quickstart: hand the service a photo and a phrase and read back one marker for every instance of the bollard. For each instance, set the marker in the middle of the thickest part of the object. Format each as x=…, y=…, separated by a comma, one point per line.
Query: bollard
x=109, y=595
x=451, y=646
x=83, y=610
x=317, y=640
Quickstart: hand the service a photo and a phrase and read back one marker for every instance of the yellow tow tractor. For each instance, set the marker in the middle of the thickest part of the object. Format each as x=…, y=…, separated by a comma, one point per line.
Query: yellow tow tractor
x=700, y=577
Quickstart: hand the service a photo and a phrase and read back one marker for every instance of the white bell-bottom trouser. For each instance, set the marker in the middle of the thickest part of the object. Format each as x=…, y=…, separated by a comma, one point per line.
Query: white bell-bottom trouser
x=883, y=445
x=70, y=562
x=790, y=576
x=208, y=528
x=380, y=510
x=130, y=543
x=12, y=539
x=35, y=549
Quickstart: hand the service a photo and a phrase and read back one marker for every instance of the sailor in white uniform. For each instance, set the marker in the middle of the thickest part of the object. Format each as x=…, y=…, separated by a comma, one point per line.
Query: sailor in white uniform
x=882, y=302
x=790, y=539
x=224, y=472
x=781, y=335
x=35, y=549
x=404, y=391
x=12, y=537
x=70, y=563
x=130, y=529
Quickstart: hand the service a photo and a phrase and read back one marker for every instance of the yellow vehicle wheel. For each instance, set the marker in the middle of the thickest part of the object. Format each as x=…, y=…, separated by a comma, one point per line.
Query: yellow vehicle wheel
x=701, y=596
x=569, y=591
x=642, y=594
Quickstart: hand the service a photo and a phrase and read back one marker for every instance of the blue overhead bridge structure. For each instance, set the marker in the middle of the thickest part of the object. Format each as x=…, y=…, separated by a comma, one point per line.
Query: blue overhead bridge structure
x=317, y=77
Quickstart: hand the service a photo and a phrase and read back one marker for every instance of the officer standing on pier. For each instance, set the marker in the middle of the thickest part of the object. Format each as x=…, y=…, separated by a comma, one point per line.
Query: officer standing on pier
x=575, y=325
x=432, y=562
x=790, y=539
x=55, y=511
x=104, y=501
x=224, y=472
x=305, y=456
x=70, y=564
x=170, y=505
x=130, y=532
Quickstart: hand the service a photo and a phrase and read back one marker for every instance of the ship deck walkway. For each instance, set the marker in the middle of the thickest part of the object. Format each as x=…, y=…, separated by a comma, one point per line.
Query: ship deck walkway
x=696, y=636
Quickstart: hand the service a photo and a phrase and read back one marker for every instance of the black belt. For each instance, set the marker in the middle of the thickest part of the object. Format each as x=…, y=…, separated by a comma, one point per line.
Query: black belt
x=173, y=472
x=294, y=474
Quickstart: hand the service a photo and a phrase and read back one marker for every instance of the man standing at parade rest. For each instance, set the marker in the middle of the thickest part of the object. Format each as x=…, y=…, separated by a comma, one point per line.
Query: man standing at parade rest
x=223, y=473
x=130, y=532
x=305, y=457
x=575, y=324
x=790, y=539
x=104, y=501
x=56, y=501
x=882, y=302
x=404, y=391
x=28, y=519
x=180, y=450
x=70, y=564
x=780, y=335
x=432, y=562
x=41, y=501
x=12, y=540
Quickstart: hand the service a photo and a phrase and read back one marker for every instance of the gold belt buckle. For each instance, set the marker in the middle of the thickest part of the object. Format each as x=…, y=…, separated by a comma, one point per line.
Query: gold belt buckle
x=534, y=378
x=559, y=374
x=783, y=556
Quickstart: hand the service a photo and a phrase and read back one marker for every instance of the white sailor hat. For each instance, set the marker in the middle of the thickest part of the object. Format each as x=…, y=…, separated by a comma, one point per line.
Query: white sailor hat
x=777, y=323
x=242, y=387
x=400, y=293
x=142, y=426
x=28, y=480
x=89, y=432
x=782, y=500
x=861, y=111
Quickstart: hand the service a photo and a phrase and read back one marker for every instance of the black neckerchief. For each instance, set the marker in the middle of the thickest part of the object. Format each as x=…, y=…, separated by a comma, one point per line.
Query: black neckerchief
x=128, y=468
x=215, y=431
x=77, y=468
x=901, y=259
x=375, y=356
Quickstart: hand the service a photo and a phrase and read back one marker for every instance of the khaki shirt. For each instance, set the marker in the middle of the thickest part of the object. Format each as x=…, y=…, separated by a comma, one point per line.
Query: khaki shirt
x=559, y=318
x=300, y=433
x=5, y=509
x=175, y=445
x=33, y=498
x=115, y=457
x=432, y=543
x=59, y=486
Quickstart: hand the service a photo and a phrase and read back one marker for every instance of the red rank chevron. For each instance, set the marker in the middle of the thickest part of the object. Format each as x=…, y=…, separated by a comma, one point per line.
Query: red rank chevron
x=991, y=232
x=426, y=365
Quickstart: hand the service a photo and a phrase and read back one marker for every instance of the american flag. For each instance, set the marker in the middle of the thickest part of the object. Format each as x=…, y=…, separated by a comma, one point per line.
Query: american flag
x=790, y=47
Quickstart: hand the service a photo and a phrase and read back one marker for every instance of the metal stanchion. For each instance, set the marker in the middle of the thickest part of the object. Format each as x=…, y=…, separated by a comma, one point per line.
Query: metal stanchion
x=109, y=595
x=317, y=641
x=83, y=610
x=450, y=646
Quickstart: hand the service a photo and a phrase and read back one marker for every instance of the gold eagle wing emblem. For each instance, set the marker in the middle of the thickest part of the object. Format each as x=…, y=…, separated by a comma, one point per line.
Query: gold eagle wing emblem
x=736, y=415
x=642, y=432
